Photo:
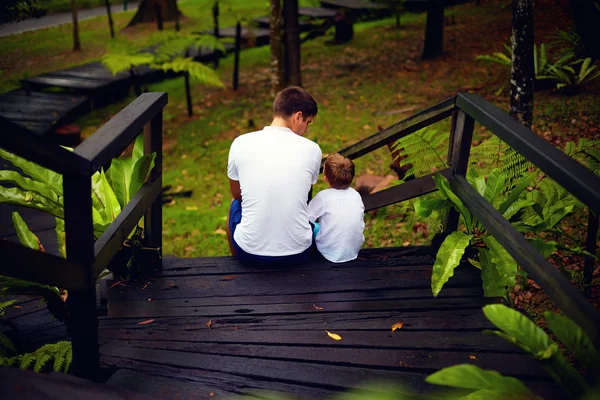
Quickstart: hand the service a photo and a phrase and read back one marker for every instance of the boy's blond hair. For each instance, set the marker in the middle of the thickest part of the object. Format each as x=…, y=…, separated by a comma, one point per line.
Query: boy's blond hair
x=339, y=171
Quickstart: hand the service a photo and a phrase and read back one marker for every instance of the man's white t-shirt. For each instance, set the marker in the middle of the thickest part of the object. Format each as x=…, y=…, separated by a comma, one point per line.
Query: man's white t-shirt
x=341, y=216
x=275, y=168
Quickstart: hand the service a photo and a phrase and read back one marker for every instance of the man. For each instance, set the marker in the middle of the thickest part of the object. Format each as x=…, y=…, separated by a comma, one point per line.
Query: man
x=270, y=175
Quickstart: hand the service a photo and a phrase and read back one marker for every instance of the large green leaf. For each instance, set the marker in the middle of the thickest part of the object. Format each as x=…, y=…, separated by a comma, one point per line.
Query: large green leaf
x=517, y=191
x=99, y=211
x=517, y=206
x=138, y=149
x=496, y=183
x=30, y=185
x=140, y=173
x=478, y=182
x=505, y=265
x=26, y=237
x=442, y=184
x=468, y=376
x=424, y=208
x=119, y=176
x=550, y=221
x=31, y=200
x=109, y=199
x=39, y=174
x=576, y=340
x=61, y=237
x=447, y=258
x=518, y=326
x=493, y=285
x=546, y=248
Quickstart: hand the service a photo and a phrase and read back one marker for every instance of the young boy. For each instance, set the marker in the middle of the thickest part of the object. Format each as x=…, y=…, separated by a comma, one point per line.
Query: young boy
x=340, y=211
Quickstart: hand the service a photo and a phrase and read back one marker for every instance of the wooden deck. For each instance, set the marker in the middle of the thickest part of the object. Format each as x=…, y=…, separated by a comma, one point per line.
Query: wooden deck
x=268, y=328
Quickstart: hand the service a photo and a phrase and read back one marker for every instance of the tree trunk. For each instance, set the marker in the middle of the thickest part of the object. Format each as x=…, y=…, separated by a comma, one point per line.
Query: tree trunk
x=434, y=30
x=76, y=42
x=522, y=70
x=216, y=32
x=292, y=42
x=110, y=20
x=586, y=15
x=277, y=60
x=146, y=11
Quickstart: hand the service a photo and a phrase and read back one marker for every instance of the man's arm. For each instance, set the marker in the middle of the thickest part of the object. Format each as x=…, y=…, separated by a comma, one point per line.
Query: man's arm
x=236, y=190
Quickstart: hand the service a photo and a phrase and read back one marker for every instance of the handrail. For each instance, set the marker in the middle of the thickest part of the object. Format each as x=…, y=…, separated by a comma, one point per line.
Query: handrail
x=567, y=172
x=400, y=129
x=40, y=150
x=556, y=286
x=114, y=136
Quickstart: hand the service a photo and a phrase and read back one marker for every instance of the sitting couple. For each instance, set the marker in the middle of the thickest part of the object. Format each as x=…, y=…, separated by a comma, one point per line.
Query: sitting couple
x=271, y=173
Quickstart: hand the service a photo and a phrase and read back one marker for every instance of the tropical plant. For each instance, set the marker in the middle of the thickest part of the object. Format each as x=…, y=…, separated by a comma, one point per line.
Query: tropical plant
x=570, y=41
x=528, y=211
x=519, y=330
x=59, y=354
x=422, y=152
x=41, y=189
x=569, y=77
x=497, y=57
x=167, y=51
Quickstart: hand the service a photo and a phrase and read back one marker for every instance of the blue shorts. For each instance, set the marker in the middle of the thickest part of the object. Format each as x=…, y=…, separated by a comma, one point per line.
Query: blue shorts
x=235, y=217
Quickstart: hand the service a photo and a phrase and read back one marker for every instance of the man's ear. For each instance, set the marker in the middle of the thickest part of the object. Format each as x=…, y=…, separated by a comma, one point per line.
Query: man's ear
x=298, y=117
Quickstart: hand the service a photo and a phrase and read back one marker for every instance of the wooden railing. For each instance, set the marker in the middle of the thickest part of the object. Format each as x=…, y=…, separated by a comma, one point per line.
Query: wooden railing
x=85, y=258
x=465, y=109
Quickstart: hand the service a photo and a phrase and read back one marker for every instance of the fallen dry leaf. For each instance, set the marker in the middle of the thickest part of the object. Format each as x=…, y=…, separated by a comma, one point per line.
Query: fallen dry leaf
x=211, y=394
x=19, y=307
x=148, y=321
x=317, y=307
x=115, y=284
x=334, y=336
x=150, y=299
x=209, y=324
x=397, y=325
x=472, y=358
x=228, y=277
x=220, y=231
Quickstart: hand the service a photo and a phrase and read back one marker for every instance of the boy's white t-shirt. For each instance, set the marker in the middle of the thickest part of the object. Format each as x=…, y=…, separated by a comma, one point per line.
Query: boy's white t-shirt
x=275, y=168
x=341, y=216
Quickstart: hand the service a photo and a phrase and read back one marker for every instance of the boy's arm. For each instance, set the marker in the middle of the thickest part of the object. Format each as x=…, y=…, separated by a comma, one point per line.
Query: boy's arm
x=236, y=190
x=315, y=208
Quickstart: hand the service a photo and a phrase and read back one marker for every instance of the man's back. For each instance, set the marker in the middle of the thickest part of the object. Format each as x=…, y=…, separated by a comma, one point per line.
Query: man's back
x=275, y=168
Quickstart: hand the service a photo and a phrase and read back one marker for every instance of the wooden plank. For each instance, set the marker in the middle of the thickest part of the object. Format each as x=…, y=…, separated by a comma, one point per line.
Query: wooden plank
x=425, y=361
x=414, y=319
x=400, y=129
x=403, y=192
x=403, y=339
x=163, y=309
x=81, y=305
x=18, y=384
x=316, y=12
x=164, y=382
x=153, y=217
x=352, y=4
x=297, y=282
x=555, y=285
x=567, y=172
x=114, y=136
x=113, y=237
x=42, y=151
x=314, y=374
x=67, y=82
x=311, y=298
x=27, y=264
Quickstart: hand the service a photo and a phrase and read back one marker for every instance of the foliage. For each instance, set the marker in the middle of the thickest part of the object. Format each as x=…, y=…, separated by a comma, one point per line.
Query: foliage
x=570, y=76
x=42, y=190
x=423, y=151
x=18, y=10
x=571, y=40
x=498, y=57
x=167, y=51
x=59, y=355
x=527, y=211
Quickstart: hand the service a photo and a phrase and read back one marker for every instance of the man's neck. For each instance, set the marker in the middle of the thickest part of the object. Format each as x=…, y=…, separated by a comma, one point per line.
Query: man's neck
x=280, y=122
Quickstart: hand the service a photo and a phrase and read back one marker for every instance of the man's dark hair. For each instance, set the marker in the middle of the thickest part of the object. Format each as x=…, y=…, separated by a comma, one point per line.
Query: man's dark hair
x=293, y=99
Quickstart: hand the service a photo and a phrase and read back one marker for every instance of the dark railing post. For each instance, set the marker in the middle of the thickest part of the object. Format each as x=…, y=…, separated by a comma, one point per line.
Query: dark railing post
x=460, y=147
x=153, y=218
x=82, y=325
x=236, y=59
x=590, y=246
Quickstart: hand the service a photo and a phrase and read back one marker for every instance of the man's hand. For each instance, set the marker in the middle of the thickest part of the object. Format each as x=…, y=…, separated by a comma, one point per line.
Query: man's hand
x=236, y=190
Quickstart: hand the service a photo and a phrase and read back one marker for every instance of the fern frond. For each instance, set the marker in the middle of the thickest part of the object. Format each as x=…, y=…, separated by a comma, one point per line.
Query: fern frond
x=27, y=360
x=42, y=361
x=4, y=305
x=119, y=62
x=6, y=344
x=196, y=70
x=9, y=285
x=424, y=150
x=68, y=358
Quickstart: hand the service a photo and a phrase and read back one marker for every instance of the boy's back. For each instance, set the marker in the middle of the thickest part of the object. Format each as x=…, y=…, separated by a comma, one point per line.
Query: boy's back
x=341, y=219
